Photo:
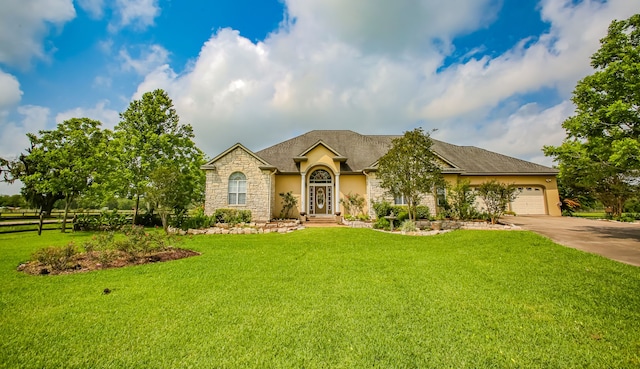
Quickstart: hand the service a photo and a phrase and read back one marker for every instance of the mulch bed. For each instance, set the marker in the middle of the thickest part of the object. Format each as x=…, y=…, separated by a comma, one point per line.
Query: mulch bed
x=86, y=262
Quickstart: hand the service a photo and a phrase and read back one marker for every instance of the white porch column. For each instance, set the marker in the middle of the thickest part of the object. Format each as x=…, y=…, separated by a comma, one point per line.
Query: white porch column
x=303, y=191
x=337, y=194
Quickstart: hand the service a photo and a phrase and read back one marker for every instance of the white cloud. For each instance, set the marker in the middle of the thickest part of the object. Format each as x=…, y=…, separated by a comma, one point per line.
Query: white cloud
x=108, y=117
x=95, y=8
x=336, y=67
x=138, y=14
x=556, y=60
x=10, y=93
x=13, y=139
x=521, y=134
x=149, y=58
x=388, y=26
x=24, y=24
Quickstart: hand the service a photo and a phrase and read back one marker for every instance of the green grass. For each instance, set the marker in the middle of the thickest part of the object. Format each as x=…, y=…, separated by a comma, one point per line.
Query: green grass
x=330, y=298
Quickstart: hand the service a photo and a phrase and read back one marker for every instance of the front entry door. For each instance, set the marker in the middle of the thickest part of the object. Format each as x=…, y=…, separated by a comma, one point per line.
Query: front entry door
x=320, y=199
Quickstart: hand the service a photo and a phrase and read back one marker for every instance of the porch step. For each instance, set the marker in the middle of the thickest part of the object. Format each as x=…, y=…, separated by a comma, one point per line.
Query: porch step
x=322, y=222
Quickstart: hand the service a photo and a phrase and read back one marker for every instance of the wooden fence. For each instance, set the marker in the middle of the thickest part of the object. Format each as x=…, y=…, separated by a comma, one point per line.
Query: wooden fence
x=30, y=220
x=30, y=223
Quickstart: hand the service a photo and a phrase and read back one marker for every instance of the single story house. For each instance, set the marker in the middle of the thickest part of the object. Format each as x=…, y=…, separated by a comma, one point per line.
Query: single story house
x=322, y=166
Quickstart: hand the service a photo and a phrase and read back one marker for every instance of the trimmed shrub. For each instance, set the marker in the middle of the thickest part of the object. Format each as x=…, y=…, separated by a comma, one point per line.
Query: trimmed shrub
x=382, y=208
x=402, y=216
x=149, y=220
x=422, y=212
x=382, y=223
x=232, y=216
x=106, y=221
x=56, y=258
x=408, y=226
x=197, y=220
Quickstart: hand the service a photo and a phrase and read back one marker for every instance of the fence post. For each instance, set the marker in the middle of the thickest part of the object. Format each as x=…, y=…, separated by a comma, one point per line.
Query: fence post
x=40, y=223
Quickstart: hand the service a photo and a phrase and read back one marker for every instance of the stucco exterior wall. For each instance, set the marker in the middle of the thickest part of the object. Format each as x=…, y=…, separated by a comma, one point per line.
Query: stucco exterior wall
x=258, y=184
x=354, y=184
x=320, y=155
x=286, y=183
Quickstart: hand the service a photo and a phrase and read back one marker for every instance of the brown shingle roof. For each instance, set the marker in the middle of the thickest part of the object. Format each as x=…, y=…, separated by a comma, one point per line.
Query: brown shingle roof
x=362, y=151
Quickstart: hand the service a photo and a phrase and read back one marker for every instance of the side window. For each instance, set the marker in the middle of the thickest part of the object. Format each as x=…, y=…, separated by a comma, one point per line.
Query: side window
x=237, y=189
x=441, y=196
x=399, y=200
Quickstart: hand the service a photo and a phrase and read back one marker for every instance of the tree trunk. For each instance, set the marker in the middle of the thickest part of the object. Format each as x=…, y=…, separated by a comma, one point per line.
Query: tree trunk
x=67, y=201
x=135, y=210
x=164, y=216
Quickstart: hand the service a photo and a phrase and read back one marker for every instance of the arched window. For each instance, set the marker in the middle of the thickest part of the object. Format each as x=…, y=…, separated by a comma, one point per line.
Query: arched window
x=320, y=176
x=237, y=189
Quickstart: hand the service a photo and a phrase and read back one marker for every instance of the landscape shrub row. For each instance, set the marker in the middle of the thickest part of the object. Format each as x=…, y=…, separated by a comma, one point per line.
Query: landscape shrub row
x=104, y=248
x=199, y=219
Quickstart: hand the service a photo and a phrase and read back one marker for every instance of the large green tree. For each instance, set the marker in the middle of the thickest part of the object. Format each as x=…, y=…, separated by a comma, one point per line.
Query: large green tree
x=601, y=152
x=150, y=136
x=410, y=169
x=61, y=164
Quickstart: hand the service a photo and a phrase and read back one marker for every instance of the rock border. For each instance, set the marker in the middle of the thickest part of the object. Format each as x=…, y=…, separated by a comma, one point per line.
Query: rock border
x=433, y=227
x=244, y=228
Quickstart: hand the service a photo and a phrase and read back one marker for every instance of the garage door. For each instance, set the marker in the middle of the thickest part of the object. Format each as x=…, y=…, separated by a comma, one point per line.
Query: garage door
x=530, y=201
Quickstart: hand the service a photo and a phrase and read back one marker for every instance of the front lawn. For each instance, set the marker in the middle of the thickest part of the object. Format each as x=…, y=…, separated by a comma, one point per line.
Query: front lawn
x=327, y=297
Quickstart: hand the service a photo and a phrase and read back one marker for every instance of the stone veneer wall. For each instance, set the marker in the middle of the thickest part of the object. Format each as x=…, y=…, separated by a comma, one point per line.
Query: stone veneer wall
x=259, y=185
x=377, y=193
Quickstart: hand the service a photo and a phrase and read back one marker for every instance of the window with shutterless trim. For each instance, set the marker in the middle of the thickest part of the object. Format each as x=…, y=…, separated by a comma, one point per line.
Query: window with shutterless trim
x=237, y=189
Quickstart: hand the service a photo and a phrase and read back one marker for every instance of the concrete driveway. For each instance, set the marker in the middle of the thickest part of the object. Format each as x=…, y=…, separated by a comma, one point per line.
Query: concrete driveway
x=614, y=240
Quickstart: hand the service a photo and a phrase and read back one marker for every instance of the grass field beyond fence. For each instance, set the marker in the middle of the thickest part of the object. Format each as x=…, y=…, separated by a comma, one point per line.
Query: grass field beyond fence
x=327, y=298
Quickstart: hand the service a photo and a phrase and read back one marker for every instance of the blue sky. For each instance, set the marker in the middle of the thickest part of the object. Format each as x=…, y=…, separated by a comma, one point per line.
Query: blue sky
x=488, y=73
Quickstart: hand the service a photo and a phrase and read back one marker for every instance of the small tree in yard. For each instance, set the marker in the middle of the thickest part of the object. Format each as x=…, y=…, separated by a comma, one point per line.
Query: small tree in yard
x=288, y=203
x=353, y=204
x=497, y=197
x=410, y=168
x=171, y=191
x=462, y=200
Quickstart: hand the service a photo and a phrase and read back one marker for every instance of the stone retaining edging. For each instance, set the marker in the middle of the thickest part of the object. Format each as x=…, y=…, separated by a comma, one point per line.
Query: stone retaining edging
x=244, y=228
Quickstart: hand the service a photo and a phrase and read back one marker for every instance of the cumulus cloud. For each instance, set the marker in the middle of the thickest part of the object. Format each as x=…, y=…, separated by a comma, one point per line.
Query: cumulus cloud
x=334, y=66
x=108, y=117
x=10, y=93
x=521, y=134
x=134, y=13
x=13, y=139
x=149, y=58
x=557, y=60
x=389, y=26
x=95, y=8
x=24, y=24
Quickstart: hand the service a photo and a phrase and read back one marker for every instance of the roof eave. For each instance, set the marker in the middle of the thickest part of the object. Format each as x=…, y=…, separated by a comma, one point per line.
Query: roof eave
x=509, y=173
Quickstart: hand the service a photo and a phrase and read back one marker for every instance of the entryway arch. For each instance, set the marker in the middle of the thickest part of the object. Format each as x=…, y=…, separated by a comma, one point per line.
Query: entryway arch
x=320, y=192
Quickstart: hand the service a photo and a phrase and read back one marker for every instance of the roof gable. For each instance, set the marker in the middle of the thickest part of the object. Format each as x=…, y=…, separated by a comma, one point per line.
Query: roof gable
x=211, y=163
x=320, y=142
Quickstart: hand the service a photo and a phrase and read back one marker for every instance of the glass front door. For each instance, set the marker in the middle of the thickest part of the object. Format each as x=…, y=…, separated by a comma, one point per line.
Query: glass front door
x=320, y=193
x=321, y=199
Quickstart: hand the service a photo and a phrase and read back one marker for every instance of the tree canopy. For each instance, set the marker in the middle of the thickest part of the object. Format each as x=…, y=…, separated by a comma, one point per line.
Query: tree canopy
x=601, y=151
x=60, y=164
x=409, y=169
x=150, y=136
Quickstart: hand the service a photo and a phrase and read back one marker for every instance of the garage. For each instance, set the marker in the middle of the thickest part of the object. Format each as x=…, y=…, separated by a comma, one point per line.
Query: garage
x=530, y=201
